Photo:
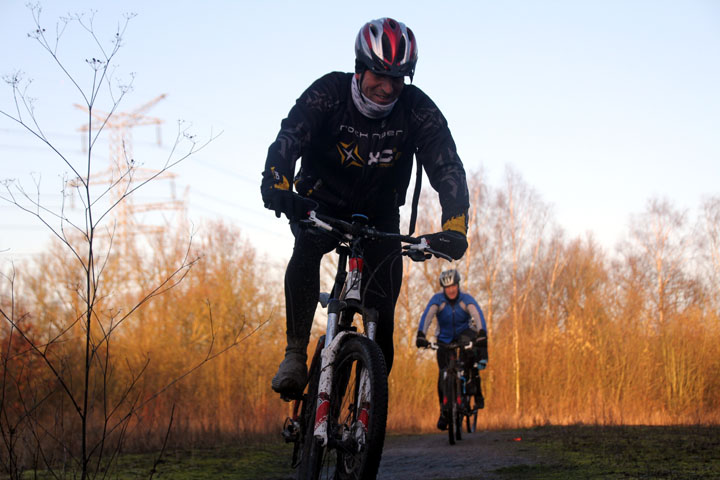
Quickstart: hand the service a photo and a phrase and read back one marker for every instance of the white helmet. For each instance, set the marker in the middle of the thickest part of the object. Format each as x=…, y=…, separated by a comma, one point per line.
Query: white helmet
x=449, y=277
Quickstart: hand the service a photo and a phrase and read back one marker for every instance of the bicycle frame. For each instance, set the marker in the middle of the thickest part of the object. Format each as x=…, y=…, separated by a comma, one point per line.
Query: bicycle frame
x=457, y=370
x=346, y=299
x=364, y=428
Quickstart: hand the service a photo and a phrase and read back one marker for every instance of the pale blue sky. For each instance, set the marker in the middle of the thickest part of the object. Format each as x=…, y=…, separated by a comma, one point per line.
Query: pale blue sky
x=599, y=105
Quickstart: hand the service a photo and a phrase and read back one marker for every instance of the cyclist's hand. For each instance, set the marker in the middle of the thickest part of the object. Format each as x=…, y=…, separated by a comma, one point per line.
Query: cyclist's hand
x=482, y=364
x=449, y=242
x=421, y=341
x=291, y=204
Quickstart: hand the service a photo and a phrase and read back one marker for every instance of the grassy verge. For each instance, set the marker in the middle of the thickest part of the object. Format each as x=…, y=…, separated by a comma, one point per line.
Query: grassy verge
x=576, y=452
x=252, y=461
x=621, y=452
x=247, y=462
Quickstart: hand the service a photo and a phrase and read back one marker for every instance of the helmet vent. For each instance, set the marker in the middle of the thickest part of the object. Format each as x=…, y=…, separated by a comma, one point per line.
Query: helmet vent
x=386, y=48
x=401, y=49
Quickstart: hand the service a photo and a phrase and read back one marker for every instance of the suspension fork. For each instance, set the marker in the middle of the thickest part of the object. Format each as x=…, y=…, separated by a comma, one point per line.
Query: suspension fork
x=333, y=343
x=327, y=367
x=347, y=286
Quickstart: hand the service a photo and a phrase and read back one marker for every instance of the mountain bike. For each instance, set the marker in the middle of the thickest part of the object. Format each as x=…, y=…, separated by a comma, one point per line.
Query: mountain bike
x=338, y=422
x=458, y=400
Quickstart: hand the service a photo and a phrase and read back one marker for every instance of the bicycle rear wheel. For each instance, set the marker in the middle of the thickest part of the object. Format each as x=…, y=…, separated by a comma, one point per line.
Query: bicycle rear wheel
x=471, y=418
x=358, y=412
x=310, y=451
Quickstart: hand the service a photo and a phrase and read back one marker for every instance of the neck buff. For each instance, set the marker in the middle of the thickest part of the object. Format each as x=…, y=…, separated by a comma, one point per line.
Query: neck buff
x=366, y=106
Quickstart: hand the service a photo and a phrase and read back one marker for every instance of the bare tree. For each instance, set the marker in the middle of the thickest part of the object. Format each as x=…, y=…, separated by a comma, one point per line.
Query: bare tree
x=100, y=415
x=659, y=240
x=709, y=248
x=525, y=218
x=487, y=247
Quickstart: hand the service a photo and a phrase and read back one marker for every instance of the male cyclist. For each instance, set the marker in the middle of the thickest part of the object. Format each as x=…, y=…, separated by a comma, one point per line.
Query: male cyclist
x=459, y=319
x=357, y=134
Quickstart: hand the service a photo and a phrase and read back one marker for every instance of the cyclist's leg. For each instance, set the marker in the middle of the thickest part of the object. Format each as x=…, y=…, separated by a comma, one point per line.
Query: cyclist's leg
x=302, y=287
x=482, y=354
x=479, y=399
x=469, y=359
x=443, y=357
x=383, y=279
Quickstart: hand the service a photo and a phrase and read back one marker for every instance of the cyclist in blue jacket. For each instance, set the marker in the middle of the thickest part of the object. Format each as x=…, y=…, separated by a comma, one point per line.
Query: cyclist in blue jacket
x=459, y=319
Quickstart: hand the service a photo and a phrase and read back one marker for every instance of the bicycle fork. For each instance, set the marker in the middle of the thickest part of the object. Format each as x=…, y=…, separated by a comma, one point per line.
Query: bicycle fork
x=333, y=343
x=354, y=438
x=351, y=440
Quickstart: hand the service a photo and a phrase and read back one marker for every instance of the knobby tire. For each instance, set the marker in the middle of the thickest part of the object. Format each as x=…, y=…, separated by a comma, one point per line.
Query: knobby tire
x=458, y=422
x=450, y=406
x=471, y=420
x=356, y=355
x=310, y=450
x=472, y=414
x=457, y=410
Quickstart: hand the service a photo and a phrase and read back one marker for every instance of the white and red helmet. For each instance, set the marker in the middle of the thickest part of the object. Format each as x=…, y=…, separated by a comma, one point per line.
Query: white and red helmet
x=386, y=47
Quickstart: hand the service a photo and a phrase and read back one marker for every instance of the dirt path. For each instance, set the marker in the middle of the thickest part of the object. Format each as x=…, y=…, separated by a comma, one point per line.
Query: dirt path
x=420, y=457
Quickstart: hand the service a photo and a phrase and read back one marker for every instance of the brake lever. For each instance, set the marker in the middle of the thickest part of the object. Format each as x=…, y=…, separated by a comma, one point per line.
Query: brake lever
x=422, y=251
x=418, y=255
x=418, y=252
x=312, y=218
x=316, y=222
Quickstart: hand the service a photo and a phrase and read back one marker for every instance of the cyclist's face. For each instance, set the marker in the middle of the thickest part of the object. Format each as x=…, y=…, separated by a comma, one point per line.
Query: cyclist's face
x=451, y=292
x=380, y=88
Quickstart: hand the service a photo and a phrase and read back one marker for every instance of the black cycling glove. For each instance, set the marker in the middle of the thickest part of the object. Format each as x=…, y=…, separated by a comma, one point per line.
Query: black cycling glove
x=449, y=242
x=291, y=204
x=421, y=341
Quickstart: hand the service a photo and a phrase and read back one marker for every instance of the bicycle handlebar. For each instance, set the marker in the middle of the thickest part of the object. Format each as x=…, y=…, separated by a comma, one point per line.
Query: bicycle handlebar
x=416, y=250
x=450, y=346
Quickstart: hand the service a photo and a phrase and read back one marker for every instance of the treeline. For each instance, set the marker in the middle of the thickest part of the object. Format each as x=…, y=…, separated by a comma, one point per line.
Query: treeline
x=577, y=333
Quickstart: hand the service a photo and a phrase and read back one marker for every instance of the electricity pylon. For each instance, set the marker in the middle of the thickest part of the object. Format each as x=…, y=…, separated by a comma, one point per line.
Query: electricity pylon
x=122, y=172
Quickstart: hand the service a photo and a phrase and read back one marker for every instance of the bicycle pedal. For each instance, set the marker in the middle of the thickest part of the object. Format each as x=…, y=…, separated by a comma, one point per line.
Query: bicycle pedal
x=291, y=430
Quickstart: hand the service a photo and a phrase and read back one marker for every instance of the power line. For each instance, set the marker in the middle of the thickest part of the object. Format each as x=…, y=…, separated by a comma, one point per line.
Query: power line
x=226, y=171
x=26, y=227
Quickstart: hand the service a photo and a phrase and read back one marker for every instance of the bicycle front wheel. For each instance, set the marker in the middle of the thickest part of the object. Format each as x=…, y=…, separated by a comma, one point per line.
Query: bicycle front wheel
x=458, y=410
x=358, y=412
x=450, y=405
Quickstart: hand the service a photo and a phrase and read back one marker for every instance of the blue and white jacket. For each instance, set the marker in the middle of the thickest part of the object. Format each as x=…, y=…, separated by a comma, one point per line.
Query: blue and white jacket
x=452, y=317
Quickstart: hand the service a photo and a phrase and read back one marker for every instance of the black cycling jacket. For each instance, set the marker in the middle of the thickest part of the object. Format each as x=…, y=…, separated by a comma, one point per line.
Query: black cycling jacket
x=354, y=164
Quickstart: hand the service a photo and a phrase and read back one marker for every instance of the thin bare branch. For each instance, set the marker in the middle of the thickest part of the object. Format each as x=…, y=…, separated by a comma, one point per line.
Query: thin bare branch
x=153, y=470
